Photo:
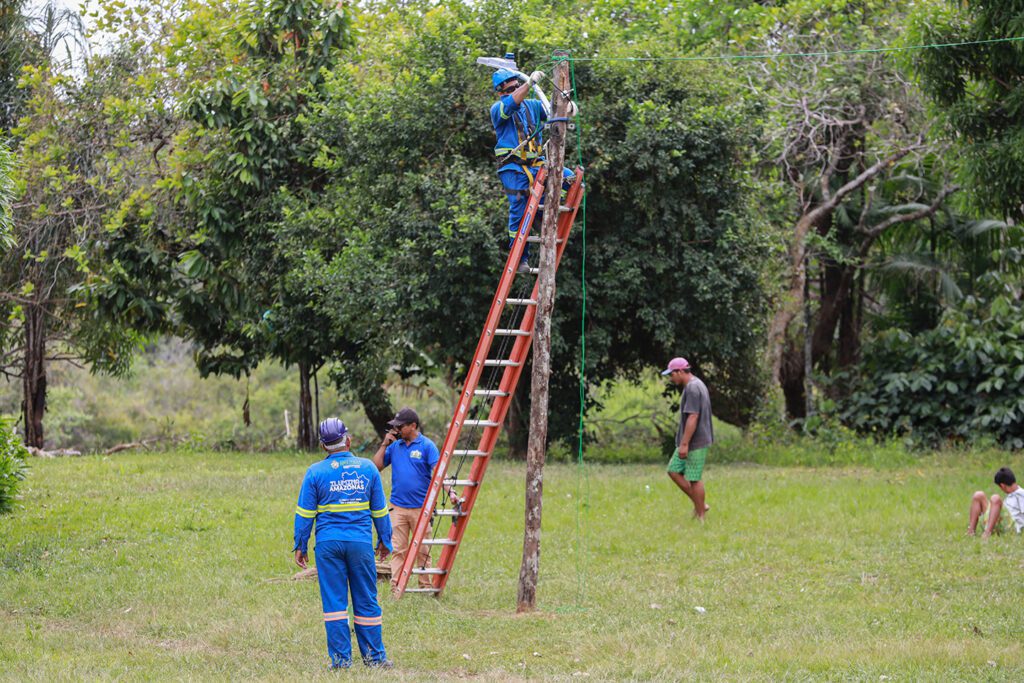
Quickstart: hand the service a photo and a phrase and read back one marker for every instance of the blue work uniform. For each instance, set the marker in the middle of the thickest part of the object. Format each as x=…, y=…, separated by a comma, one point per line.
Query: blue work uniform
x=520, y=151
x=342, y=494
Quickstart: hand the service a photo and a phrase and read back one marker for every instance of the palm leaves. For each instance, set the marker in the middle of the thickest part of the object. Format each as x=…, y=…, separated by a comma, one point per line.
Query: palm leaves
x=922, y=267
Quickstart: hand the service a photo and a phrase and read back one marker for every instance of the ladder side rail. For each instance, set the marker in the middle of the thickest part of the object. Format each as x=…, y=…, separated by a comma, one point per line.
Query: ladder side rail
x=472, y=379
x=499, y=408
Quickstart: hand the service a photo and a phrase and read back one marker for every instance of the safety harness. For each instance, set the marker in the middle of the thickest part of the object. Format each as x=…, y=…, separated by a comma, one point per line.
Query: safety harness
x=528, y=154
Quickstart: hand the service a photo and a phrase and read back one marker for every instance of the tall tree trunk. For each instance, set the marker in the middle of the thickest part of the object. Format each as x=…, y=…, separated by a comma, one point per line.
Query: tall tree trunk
x=33, y=405
x=792, y=301
x=791, y=379
x=377, y=406
x=536, y=452
x=306, y=433
x=849, y=327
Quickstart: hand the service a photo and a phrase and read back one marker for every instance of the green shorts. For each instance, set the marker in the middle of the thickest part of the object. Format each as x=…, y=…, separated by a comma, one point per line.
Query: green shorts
x=692, y=466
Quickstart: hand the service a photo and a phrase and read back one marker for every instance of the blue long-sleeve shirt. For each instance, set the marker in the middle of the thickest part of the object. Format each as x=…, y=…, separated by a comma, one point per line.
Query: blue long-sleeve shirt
x=512, y=122
x=342, y=494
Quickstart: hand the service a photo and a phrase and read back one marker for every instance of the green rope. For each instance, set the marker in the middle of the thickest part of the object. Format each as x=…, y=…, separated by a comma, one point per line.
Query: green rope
x=781, y=55
x=582, y=482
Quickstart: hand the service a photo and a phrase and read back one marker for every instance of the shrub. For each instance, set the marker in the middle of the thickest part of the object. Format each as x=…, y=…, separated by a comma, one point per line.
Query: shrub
x=12, y=465
x=962, y=382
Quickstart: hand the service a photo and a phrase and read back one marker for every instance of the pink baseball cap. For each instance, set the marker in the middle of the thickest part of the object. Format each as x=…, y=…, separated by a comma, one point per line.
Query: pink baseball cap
x=676, y=364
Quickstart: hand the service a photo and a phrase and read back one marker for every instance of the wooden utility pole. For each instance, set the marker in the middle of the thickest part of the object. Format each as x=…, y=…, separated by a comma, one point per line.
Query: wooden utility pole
x=536, y=450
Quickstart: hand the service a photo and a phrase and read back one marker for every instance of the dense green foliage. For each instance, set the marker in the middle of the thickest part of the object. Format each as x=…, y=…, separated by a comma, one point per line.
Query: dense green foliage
x=418, y=188
x=13, y=465
x=18, y=49
x=313, y=184
x=979, y=93
x=962, y=381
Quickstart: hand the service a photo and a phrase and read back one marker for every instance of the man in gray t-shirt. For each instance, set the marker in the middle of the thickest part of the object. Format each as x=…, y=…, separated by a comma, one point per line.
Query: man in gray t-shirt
x=693, y=436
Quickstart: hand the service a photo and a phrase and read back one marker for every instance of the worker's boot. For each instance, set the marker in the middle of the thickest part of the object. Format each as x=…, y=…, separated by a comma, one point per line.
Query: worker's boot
x=524, y=262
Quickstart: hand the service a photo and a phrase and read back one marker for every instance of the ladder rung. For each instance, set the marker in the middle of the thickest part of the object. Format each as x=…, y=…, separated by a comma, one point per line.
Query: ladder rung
x=491, y=392
x=438, y=541
x=450, y=513
x=422, y=590
x=534, y=271
x=521, y=302
x=536, y=239
x=435, y=572
x=480, y=423
x=460, y=482
x=511, y=333
x=565, y=209
x=477, y=454
x=501, y=364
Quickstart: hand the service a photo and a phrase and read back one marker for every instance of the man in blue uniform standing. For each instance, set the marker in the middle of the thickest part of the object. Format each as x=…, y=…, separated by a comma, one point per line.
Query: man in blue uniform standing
x=518, y=125
x=342, y=494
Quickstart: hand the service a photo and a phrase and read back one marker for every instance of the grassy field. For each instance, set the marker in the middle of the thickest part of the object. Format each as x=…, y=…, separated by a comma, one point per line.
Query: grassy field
x=169, y=566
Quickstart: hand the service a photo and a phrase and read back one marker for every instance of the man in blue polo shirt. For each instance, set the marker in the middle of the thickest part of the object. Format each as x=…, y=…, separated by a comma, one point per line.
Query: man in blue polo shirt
x=412, y=458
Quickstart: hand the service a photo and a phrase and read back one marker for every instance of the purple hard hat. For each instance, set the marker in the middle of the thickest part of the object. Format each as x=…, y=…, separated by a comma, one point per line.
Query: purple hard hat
x=332, y=430
x=676, y=364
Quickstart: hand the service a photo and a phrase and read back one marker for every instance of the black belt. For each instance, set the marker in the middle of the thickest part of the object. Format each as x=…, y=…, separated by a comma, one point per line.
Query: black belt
x=519, y=161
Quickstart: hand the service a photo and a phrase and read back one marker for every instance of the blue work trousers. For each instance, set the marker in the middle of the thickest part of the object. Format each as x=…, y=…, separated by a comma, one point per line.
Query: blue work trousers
x=517, y=183
x=343, y=566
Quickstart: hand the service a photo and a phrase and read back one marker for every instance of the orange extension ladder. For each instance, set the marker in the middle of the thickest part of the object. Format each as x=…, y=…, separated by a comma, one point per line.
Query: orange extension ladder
x=500, y=376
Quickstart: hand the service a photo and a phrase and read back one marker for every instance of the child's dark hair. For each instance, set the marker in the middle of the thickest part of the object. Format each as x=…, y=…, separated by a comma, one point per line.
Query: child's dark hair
x=1005, y=476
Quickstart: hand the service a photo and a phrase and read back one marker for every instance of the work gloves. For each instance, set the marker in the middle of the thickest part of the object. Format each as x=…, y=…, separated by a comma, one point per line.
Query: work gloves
x=538, y=76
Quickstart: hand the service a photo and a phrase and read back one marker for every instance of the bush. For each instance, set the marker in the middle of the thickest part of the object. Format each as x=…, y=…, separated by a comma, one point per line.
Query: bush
x=12, y=465
x=960, y=383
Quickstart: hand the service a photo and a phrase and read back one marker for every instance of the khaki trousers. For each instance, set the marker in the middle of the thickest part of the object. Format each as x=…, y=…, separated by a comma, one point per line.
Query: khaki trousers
x=403, y=523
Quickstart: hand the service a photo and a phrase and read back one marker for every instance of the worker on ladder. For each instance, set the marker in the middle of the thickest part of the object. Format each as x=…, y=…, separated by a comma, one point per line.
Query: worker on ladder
x=518, y=125
x=343, y=494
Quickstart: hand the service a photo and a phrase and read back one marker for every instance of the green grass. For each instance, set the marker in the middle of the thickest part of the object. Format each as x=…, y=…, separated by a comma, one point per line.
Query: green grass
x=160, y=566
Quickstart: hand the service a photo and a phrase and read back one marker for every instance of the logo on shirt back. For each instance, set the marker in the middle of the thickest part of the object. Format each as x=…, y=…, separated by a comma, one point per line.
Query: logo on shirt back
x=334, y=465
x=350, y=482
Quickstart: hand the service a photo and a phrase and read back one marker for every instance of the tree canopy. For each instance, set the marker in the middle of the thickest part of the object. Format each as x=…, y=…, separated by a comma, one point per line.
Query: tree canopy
x=315, y=183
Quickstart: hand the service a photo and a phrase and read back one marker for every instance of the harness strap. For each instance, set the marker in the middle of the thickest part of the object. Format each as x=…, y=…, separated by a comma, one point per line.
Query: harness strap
x=533, y=152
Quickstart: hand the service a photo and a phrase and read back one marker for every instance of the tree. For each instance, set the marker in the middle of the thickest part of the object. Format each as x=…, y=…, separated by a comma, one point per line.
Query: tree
x=240, y=158
x=978, y=92
x=664, y=153
x=32, y=39
x=848, y=142
x=19, y=47
x=64, y=183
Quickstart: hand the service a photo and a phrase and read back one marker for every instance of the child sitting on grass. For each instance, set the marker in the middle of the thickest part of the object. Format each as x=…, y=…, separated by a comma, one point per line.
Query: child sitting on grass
x=1014, y=503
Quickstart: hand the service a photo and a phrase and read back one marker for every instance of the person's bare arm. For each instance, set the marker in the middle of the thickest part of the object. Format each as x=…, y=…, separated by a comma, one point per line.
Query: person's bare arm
x=378, y=457
x=691, y=427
